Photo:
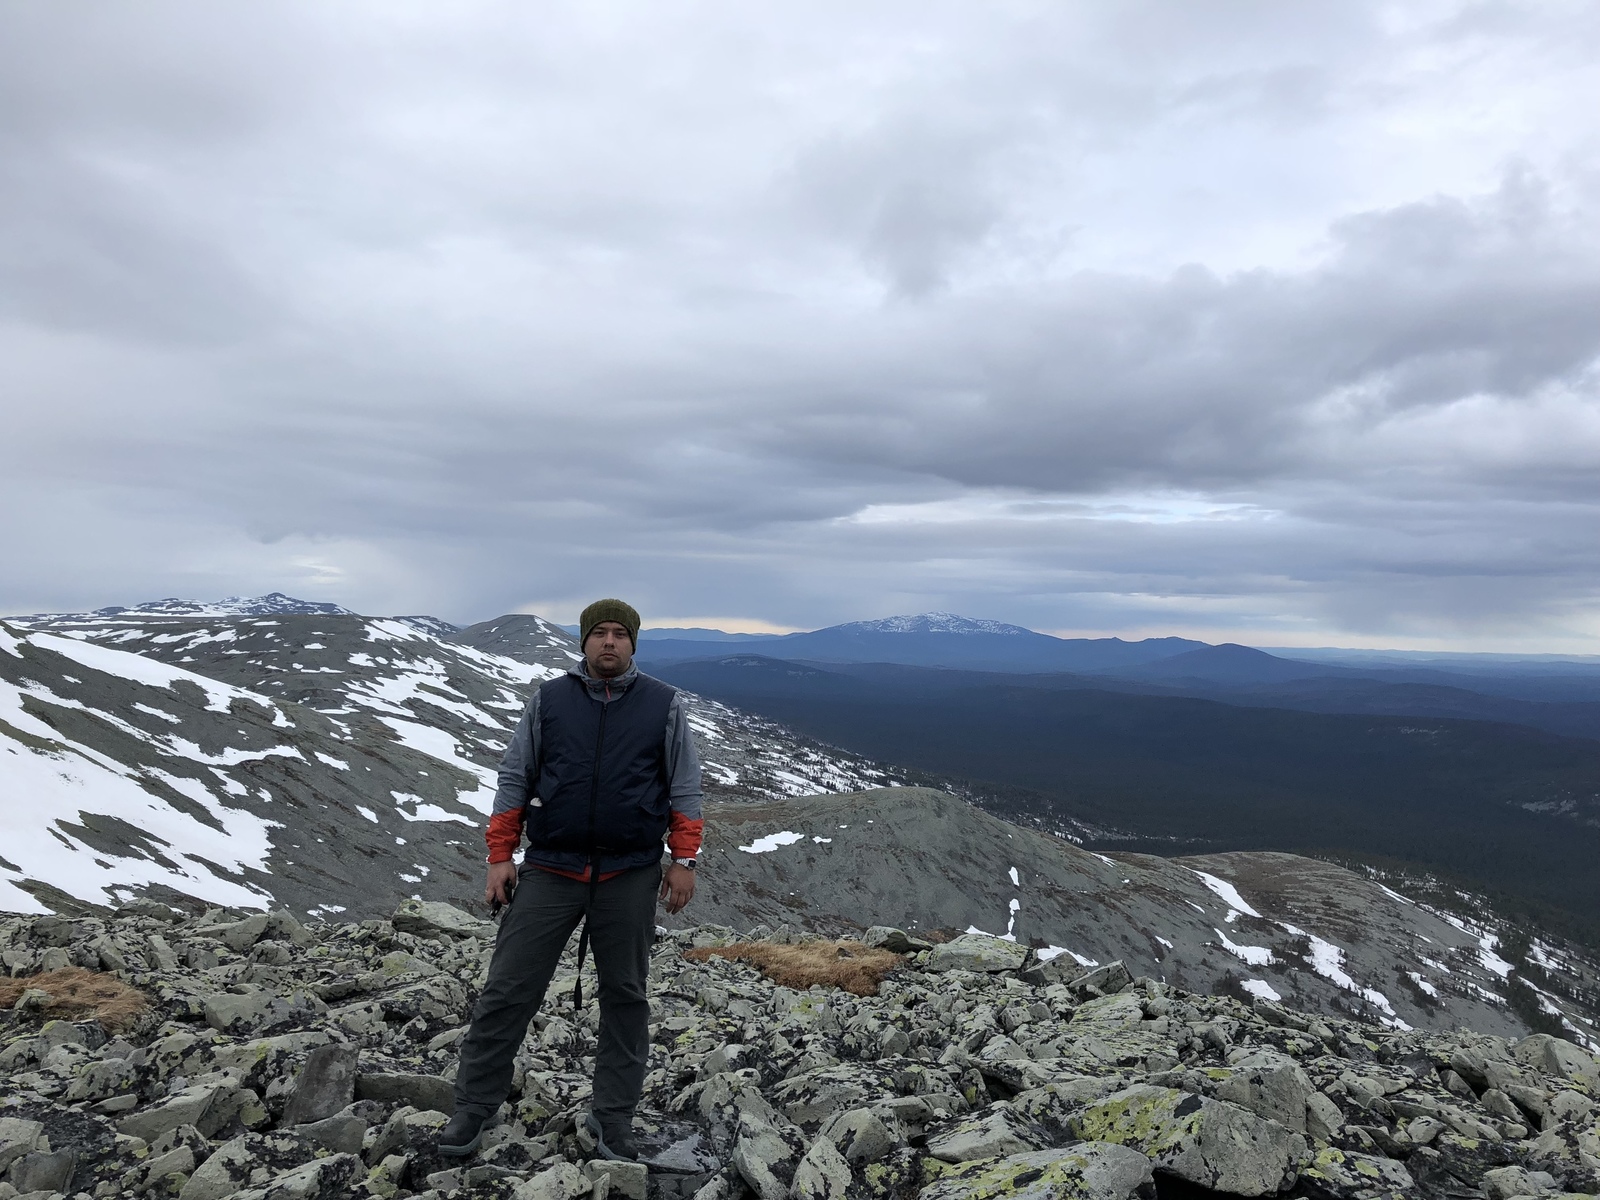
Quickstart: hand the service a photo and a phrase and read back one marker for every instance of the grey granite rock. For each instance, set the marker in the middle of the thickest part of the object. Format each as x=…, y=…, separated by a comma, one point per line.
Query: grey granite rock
x=563, y=1181
x=1271, y=1085
x=188, y=1106
x=435, y=919
x=343, y=1134
x=421, y=1091
x=1210, y=1143
x=17, y=1137
x=1559, y=1057
x=994, y=1134
x=1324, y=1120
x=1351, y=1175
x=323, y=1179
x=234, y=1165
x=976, y=952
x=1091, y=1171
x=764, y=1157
x=628, y=1179
x=43, y=1171
x=862, y=1135
x=324, y=1086
x=885, y=937
x=822, y=1092
x=823, y=1174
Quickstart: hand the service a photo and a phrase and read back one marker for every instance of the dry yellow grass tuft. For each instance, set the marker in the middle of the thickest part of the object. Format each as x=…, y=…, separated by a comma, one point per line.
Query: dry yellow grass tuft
x=76, y=993
x=847, y=965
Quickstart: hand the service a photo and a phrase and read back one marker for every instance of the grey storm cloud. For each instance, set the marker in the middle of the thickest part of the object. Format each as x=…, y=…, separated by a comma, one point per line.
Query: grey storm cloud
x=1239, y=320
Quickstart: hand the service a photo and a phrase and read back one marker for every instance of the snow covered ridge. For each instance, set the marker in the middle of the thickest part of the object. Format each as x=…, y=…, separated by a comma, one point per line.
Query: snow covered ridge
x=124, y=775
x=473, y=681
x=305, y=759
x=932, y=622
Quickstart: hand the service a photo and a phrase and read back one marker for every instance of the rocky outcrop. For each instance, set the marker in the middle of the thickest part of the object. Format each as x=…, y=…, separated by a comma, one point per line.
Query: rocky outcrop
x=971, y=1073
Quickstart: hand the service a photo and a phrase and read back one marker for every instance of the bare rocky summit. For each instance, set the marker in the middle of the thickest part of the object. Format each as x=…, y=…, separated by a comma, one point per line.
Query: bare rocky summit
x=282, y=1060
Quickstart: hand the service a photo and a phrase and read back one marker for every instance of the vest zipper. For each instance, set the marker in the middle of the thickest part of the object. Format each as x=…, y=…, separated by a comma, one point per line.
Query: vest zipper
x=594, y=783
x=594, y=857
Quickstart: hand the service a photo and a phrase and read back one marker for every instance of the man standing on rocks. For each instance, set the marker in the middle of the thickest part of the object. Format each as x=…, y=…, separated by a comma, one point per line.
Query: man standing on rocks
x=601, y=769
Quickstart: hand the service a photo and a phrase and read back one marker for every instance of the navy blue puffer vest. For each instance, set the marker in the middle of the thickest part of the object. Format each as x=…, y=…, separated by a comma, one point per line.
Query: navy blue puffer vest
x=602, y=776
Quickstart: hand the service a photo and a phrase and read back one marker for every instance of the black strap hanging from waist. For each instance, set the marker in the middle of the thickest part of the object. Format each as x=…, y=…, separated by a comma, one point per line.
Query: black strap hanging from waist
x=583, y=935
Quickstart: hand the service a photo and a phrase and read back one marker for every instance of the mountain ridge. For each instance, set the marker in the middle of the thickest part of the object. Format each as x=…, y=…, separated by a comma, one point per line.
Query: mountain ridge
x=339, y=765
x=271, y=604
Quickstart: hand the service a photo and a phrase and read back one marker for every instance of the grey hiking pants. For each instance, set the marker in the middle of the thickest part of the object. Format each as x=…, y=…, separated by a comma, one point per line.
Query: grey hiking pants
x=544, y=911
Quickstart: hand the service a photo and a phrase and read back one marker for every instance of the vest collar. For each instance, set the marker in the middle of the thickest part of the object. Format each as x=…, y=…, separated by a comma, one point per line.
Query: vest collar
x=599, y=688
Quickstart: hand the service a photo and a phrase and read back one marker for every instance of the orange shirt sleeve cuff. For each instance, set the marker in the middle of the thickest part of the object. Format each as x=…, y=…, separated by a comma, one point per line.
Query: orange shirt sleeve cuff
x=683, y=836
x=504, y=835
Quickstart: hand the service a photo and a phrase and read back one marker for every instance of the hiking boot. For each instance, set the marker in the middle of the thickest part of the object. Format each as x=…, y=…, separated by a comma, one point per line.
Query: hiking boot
x=462, y=1135
x=616, y=1143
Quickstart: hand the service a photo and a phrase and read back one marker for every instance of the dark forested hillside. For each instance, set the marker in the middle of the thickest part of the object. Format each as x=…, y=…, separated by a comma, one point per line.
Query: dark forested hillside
x=1514, y=809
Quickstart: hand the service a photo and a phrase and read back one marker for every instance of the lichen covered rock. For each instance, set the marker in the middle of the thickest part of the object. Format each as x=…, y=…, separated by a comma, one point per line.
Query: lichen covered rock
x=948, y=1082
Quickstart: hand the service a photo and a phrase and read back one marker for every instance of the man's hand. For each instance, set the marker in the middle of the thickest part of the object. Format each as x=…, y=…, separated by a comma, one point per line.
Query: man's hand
x=502, y=882
x=677, y=887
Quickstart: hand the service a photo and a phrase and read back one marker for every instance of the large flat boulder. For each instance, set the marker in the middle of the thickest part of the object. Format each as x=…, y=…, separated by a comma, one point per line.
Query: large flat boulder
x=1346, y=1175
x=994, y=1134
x=437, y=920
x=1091, y=1171
x=976, y=952
x=1271, y=1085
x=420, y=1091
x=1211, y=1143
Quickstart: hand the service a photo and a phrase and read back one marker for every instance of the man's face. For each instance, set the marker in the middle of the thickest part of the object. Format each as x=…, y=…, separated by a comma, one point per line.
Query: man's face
x=608, y=649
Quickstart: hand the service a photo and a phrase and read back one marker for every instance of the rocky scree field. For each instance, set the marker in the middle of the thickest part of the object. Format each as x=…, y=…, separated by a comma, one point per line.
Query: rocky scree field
x=272, y=1059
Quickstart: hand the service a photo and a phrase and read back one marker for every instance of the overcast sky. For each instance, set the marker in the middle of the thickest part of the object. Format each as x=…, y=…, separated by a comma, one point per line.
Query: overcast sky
x=1256, y=321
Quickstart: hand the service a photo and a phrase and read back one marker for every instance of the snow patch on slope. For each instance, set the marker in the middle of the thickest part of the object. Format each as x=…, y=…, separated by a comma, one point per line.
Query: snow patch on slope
x=152, y=673
x=769, y=843
x=1229, y=893
x=65, y=783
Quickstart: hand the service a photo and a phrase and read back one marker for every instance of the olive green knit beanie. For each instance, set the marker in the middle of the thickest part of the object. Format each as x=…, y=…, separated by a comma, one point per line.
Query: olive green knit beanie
x=609, y=610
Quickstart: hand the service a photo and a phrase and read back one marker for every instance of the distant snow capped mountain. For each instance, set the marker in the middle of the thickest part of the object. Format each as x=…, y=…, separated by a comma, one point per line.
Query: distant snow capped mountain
x=273, y=604
x=933, y=622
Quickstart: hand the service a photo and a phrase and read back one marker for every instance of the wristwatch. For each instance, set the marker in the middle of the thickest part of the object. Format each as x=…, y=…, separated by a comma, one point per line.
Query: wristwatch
x=686, y=863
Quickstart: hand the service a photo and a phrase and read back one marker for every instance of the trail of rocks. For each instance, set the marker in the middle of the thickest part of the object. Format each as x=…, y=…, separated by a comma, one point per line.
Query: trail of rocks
x=282, y=1061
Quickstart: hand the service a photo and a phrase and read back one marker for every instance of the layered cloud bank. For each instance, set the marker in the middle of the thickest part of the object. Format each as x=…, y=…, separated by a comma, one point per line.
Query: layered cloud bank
x=1275, y=325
